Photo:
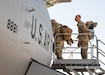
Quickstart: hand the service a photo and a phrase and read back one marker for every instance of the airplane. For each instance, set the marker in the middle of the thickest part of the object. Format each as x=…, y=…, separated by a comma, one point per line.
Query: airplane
x=25, y=33
x=26, y=38
x=50, y=3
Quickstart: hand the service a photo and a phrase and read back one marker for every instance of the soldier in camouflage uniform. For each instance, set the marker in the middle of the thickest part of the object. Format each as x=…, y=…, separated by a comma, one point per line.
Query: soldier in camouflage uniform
x=59, y=41
x=83, y=39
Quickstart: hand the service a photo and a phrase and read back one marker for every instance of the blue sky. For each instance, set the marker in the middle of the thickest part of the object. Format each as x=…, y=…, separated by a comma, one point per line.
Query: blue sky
x=89, y=10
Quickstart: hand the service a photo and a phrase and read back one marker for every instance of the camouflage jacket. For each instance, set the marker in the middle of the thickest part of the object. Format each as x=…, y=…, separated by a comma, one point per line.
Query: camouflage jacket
x=56, y=28
x=82, y=29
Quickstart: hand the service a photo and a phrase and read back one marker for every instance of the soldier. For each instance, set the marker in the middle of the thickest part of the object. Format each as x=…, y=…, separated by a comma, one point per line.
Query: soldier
x=59, y=42
x=83, y=39
x=58, y=39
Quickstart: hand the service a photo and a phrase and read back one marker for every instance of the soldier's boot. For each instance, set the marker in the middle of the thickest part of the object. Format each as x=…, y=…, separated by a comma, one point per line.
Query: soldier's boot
x=84, y=54
x=67, y=71
x=59, y=54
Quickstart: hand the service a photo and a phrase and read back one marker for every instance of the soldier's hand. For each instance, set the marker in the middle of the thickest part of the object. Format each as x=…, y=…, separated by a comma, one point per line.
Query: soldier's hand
x=89, y=34
x=78, y=44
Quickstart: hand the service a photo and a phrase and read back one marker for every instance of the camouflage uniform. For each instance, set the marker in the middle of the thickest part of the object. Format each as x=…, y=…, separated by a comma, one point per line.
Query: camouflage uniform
x=59, y=39
x=59, y=43
x=83, y=39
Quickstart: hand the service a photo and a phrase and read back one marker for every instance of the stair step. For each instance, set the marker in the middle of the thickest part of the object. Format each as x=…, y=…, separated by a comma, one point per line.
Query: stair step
x=76, y=64
x=103, y=71
x=75, y=61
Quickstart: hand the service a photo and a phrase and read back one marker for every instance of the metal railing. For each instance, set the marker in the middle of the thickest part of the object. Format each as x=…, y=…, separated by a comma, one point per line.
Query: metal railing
x=100, y=51
x=70, y=47
x=94, y=47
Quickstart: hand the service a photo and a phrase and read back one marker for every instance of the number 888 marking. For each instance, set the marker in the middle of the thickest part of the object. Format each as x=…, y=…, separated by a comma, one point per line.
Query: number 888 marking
x=13, y=27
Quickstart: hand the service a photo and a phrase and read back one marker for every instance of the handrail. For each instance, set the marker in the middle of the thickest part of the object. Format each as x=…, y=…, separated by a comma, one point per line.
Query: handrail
x=102, y=54
x=99, y=60
x=76, y=40
x=97, y=46
x=101, y=41
x=100, y=50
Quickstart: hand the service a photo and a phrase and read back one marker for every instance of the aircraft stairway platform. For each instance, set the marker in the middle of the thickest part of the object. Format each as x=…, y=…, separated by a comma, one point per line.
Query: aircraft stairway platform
x=77, y=65
x=94, y=65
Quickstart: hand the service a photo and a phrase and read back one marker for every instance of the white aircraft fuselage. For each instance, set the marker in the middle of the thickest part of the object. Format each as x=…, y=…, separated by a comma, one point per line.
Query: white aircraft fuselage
x=25, y=33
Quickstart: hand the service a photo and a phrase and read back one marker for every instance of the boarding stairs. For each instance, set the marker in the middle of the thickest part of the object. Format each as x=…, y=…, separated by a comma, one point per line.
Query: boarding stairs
x=77, y=65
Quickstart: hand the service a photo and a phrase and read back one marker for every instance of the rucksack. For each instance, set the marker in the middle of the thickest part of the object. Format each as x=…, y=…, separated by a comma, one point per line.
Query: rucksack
x=64, y=29
x=90, y=25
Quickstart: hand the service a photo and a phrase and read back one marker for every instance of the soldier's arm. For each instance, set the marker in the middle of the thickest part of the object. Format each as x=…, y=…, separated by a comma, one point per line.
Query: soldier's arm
x=83, y=27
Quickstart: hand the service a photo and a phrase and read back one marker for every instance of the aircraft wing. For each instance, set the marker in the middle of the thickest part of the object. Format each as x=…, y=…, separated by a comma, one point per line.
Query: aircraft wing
x=50, y=3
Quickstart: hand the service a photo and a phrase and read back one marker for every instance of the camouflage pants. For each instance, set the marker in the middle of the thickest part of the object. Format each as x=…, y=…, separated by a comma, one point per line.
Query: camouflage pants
x=59, y=47
x=84, y=49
